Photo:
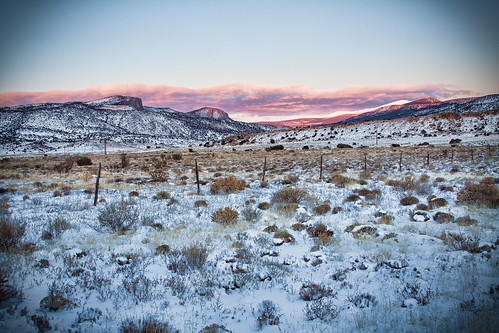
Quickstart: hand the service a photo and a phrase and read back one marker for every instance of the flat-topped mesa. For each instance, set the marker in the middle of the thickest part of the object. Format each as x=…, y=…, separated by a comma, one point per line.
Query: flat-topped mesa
x=207, y=112
x=119, y=100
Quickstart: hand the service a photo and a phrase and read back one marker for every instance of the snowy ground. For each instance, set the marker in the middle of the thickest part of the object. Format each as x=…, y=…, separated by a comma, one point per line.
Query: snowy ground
x=379, y=266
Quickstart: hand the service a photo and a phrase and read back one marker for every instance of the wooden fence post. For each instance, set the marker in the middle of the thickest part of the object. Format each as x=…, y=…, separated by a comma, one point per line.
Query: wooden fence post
x=197, y=175
x=97, y=186
x=320, y=170
x=264, y=167
x=365, y=161
x=105, y=146
x=400, y=162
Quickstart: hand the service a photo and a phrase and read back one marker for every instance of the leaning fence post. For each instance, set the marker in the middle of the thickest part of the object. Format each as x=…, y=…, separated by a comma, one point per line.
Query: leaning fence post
x=97, y=186
x=264, y=167
x=197, y=175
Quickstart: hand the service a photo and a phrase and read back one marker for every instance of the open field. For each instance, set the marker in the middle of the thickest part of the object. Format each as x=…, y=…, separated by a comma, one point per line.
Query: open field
x=400, y=239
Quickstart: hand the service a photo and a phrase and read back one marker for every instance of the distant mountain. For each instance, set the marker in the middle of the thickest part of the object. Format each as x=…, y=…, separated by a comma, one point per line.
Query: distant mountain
x=420, y=107
x=428, y=106
x=304, y=122
x=120, y=119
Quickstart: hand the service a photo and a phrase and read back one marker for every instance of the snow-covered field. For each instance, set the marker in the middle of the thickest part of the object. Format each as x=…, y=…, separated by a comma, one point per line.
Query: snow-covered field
x=341, y=254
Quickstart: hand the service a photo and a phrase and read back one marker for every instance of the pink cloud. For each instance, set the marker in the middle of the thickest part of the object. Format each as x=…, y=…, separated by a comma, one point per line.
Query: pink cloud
x=248, y=101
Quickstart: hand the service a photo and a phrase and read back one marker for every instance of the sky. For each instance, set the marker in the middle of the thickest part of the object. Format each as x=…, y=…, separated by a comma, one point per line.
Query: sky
x=257, y=60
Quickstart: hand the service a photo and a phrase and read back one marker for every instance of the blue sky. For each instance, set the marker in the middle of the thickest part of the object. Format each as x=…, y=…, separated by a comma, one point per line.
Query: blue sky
x=446, y=48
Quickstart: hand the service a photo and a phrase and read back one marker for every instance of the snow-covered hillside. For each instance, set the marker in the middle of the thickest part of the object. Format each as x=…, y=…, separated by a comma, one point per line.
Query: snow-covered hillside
x=121, y=120
x=470, y=128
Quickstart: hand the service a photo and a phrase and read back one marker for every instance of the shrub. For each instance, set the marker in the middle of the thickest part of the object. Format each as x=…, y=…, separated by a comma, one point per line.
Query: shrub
x=288, y=209
x=384, y=218
x=147, y=326
x=6, y=291
x=276, y=147
x=133, y=194
x=368, y=194
x=195, y=256
x=322, y=309
x=176, y=156
x=200, y=203
x=322, y=209
x=352, y=198
x=57, y=193
x=407, y=201
x=264, y=184
x=268, y=314
x=83, y=160
x=263, y=205
x=362, y=300
x=340, y=180
x=437, y=202
x=42, y=323
x=227, y=185
x=251, y=215
x=118, y=216
x=124, y=161
x=319, y=230
x=157, y=170
x=215, y=328
x=404, y=184
x=162, y=195
x=485, y=193
x=421, y=295
x=55, y=301
x=443, y=217
x=58, y=226
x=285, y=235
x=422, y=206
x=465, y=221
x=290, y=195
x=66, y=165
x=313, y=292
x=290, y=179
x=364, y=232
x=11, y=232
x=298, y=227
x=270, y=228
x=225, y=216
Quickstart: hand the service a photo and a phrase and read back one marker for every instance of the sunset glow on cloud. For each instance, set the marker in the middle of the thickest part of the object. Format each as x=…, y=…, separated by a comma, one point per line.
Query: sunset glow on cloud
x=246, y=102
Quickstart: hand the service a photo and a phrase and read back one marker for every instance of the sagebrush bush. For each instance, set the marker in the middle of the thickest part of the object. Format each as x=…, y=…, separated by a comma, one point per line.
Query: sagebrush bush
x=11, y=232
x=465, y=221
x=133, y=194
x=288, y=209
x=285, y=235
x=267, y=314
x=263, y=205
x=437, y=202
x=322, y=309
x=290, y=195
x=162, y=195
x=485, y=193
x=58, y=226
x=200, y=203
x=364, y=232
x=321, y=209
x=118, y=216
x=83, y=160
x=368, y=194
x=225, y=216
x=312, y=292
x=340, y=180
x=409, y=200
x=251, y=215
x=147, y=326
x=290, y=179
x=6, y=291
x=227, y=185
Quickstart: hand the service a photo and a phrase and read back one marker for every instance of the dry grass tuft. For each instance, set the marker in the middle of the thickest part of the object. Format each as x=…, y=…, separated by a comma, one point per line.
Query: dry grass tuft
x=321, y=209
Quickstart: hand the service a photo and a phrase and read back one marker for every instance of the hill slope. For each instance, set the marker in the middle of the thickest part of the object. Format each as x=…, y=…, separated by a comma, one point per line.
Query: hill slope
x=119, y=119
